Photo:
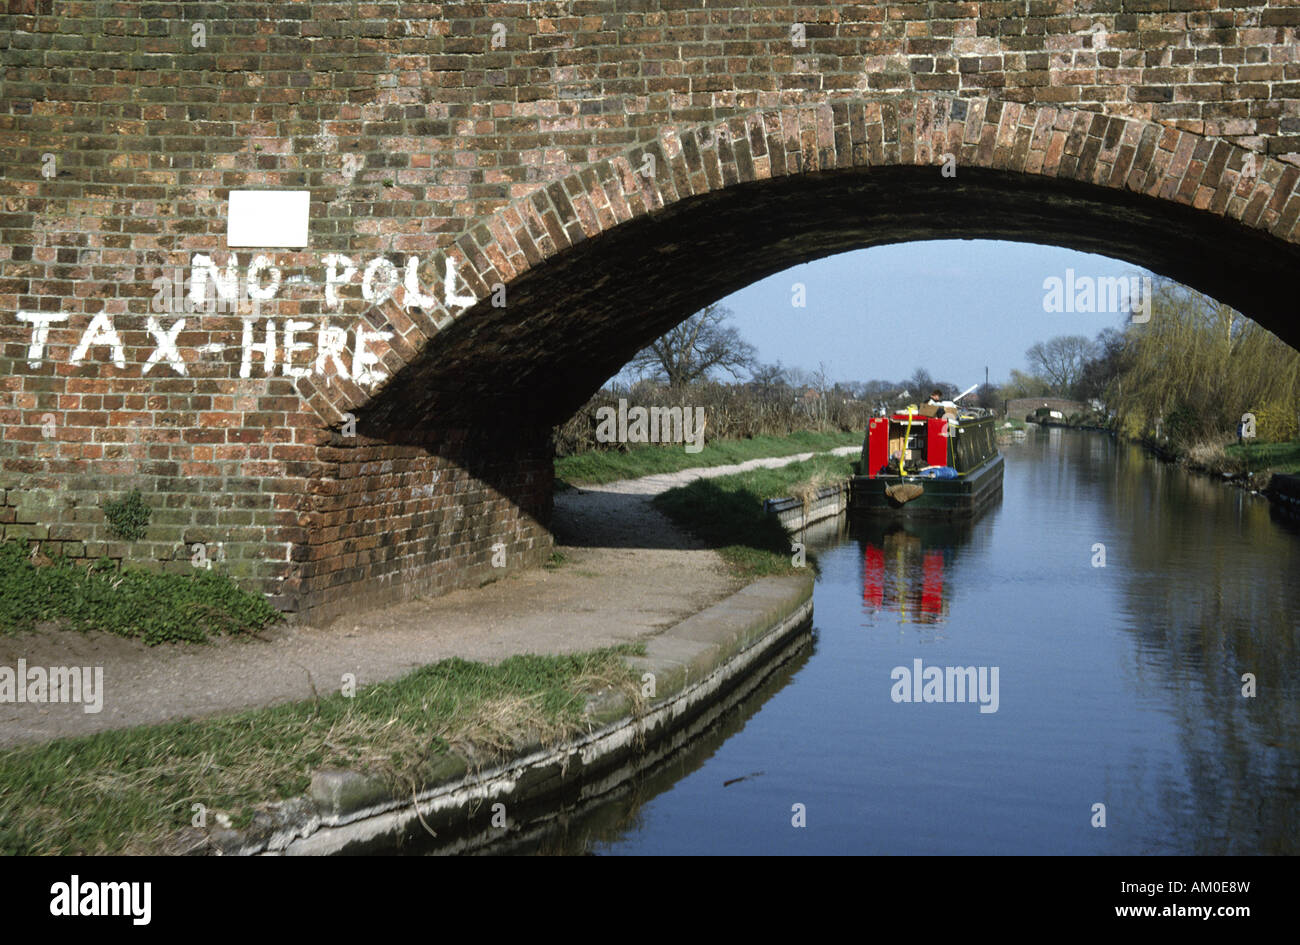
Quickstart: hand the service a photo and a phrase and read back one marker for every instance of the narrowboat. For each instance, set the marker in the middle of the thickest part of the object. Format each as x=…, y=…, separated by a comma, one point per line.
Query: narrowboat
x=928, y=463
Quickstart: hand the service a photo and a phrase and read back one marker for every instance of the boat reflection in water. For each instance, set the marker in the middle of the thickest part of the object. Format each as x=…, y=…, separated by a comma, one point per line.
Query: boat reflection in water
x=908, y=566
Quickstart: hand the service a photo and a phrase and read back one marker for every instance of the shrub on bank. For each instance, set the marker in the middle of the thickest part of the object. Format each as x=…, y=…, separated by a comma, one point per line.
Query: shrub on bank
x=1277, y=422
x=1211, y=457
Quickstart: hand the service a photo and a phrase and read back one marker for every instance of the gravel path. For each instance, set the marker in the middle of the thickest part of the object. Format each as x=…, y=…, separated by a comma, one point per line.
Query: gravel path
x=627, y=573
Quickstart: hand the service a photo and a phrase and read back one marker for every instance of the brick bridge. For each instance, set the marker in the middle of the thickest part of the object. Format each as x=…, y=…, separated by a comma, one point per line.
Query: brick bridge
x=1021, y=406
x=508, y=199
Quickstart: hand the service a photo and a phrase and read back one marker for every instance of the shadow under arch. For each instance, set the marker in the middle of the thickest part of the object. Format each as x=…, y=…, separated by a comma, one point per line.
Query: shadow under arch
x=576, y=313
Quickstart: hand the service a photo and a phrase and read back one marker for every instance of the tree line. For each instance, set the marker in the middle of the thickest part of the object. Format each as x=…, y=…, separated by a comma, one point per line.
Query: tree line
x=1185, y=377
x=705, y=362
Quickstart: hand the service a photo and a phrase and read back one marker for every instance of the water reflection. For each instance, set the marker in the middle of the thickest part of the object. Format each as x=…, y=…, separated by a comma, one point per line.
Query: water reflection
x=1211, y=595
x=905, y=566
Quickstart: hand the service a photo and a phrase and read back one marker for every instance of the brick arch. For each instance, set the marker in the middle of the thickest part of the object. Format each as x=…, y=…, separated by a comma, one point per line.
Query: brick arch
x=1170, y=200
x=603, y=260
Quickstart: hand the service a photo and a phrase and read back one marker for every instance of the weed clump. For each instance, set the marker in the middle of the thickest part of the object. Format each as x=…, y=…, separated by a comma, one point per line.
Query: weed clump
x=128, y=518
x=131, y=602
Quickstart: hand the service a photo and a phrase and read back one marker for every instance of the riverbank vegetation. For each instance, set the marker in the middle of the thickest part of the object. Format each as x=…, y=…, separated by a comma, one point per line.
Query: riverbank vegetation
x=133, y=790
x=132, y=602
x=727, y=512
x=598, y=466
x=703, y=364
x=779, y=404
x=1192, y=372
x=1181, y=381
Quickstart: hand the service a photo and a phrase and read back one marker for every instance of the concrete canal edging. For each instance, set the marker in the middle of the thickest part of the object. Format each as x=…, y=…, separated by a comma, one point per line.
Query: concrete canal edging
x=694, y=664
x=794, y=514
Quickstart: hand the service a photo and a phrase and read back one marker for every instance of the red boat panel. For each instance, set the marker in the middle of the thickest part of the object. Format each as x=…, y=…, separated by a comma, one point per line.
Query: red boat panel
x=936, y=444
x=877, y=445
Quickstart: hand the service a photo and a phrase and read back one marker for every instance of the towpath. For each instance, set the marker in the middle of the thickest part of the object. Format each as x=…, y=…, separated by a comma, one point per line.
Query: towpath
x=627, y=574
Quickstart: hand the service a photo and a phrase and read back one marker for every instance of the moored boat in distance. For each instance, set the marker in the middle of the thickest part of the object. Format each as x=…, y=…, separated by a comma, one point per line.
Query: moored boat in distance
x=928, y=463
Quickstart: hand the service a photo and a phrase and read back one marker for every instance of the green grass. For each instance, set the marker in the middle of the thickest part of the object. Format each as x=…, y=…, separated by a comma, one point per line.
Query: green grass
x=130, y=790
x=134, y=602
x=727, y=512
x=602, y=466
x=1271, y=457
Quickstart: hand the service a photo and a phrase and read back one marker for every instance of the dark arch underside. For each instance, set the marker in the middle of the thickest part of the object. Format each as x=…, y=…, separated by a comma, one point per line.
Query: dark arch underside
x=574, y=320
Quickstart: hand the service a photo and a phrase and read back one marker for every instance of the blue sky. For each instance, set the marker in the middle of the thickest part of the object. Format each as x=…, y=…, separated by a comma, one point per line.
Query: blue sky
x=950, y=306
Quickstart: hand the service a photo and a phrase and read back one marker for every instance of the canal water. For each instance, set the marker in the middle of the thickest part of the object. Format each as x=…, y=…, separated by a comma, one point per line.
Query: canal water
x=1119, y=683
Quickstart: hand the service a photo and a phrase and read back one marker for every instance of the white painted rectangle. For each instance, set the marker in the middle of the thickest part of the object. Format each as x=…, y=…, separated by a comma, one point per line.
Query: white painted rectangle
x=268, y=218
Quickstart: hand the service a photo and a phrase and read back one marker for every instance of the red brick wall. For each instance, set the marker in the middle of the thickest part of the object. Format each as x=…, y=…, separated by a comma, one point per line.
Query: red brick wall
x=390, y=522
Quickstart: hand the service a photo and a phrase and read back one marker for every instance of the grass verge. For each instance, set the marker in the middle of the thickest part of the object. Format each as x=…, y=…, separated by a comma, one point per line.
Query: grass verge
x=1270, y=457
x=727, y=512
x=129, y=791
x=134, y=602
x=602, y=466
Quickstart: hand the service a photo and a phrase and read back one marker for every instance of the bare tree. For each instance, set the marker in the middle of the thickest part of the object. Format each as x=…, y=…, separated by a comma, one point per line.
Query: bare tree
x=696, y=347
x=920, y=383
x=766, y=377
x=821, y=381
x=798, y=378
x=1060, y=361
x=1109, y=361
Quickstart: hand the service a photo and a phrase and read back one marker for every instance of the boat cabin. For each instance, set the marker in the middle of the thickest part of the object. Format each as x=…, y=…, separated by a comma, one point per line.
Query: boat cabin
x=909, y=442
x=928, y=462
